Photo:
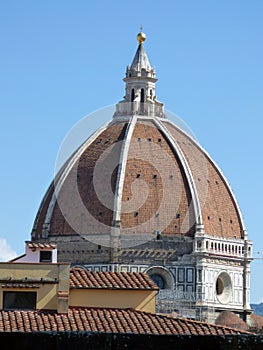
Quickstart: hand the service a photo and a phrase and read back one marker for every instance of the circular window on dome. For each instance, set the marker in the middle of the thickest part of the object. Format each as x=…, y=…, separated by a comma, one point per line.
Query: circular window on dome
x=157, y=279
x=223, y=288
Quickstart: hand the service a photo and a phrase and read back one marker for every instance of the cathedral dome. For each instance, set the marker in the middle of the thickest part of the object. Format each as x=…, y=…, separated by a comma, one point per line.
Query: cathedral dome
x=138, y=178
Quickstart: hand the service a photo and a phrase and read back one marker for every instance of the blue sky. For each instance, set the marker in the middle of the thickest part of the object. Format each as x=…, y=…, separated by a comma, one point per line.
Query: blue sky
x=61, y=60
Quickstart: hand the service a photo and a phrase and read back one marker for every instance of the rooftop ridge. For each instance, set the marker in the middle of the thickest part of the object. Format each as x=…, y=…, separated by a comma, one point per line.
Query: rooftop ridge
x=107, y=320
x=81, y=278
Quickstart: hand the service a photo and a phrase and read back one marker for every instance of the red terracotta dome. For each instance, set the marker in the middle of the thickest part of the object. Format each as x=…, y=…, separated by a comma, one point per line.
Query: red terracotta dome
x=184, y=186
x=137, y=178
x=229, y=319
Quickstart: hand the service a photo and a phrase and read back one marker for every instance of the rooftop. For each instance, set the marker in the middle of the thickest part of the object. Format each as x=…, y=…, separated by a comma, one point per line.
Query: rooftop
x=107, y=321
x=80, y=278
x=229, y=319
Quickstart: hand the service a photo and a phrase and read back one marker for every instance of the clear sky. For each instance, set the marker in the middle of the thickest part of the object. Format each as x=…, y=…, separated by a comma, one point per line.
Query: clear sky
x=61, y=60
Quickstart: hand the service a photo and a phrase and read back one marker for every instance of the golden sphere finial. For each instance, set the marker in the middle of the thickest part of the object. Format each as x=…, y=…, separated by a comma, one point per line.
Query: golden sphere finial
x=141, y=37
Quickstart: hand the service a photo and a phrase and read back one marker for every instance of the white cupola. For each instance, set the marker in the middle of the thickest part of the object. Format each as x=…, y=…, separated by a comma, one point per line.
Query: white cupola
x=140, y=82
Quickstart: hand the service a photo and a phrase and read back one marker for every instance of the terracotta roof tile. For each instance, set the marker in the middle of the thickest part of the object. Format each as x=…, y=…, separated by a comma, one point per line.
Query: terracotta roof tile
x=106, y=320
x=80, y=278
x=229, y=319
x=40, y=245
x=256, y=322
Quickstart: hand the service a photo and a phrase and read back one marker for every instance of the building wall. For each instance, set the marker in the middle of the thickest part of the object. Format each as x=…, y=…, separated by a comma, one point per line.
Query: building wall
x=47, y=280
x=33, y=256
x=208, y=272
x=142, y=300
x=191, y=285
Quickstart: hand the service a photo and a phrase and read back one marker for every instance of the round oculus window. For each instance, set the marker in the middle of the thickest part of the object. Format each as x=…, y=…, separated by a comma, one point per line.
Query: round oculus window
x=223, y=287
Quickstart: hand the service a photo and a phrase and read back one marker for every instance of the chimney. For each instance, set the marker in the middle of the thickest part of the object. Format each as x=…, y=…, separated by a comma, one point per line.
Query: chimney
x=63, y=297
x=63, y=288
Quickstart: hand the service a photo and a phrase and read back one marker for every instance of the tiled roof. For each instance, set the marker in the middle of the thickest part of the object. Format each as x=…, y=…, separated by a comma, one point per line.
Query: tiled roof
x=106, y=320
x=33, y=245
x=80, y=278
x=256, y=321
x=219, y=209
x=229, y=319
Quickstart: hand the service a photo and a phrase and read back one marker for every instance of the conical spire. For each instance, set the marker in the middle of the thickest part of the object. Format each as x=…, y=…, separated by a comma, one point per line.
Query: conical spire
x=140, y=65
x=140, y=60
x=140, y=82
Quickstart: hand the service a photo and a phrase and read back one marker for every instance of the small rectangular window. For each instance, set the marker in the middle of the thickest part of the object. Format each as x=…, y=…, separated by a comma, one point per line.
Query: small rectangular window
x=19, y=300
x=45, y=256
